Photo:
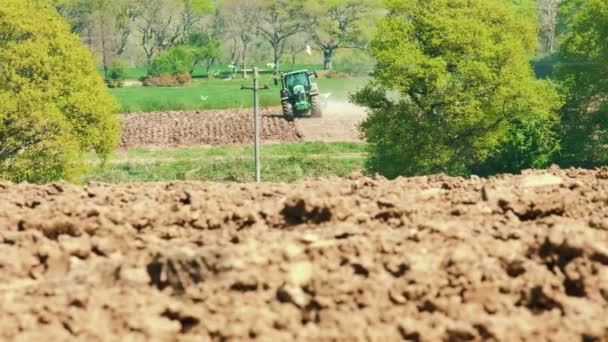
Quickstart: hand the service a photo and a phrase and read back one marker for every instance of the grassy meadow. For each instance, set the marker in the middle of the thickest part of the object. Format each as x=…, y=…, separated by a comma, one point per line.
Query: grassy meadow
x=280, y=163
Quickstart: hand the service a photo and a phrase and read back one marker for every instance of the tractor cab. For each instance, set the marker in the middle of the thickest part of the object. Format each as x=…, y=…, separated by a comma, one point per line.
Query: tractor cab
x=299, y=94
x=297, y=81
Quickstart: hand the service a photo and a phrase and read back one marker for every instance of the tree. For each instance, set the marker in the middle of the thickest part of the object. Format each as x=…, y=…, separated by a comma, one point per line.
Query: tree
x=166, y=23
x=193, y=13
x=53, y=105
x=106, y=25
x=451, y=86
x=548, y=16
x=583, y=73
x=241, y=20
x=280, y=20
x=341, y=24
x=296, y=45
x=204, y=50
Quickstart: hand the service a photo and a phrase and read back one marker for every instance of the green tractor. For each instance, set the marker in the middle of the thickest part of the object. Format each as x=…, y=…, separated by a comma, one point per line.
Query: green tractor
x=300, y=94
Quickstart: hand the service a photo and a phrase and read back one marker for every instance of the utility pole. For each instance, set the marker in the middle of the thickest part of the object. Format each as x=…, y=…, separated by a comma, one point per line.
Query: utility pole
x=256, y=121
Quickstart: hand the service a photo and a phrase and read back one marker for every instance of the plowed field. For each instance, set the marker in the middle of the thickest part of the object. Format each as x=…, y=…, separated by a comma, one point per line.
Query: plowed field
x=235, y=127
x=214, y=127
x=420, y=259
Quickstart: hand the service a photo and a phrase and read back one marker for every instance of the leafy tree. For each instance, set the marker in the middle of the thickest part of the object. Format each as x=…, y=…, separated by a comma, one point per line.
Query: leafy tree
x=53, y=105
x=166, y=23
x=583, y=73
x=341, y=24
x=525, y=8
x=280, y=20
x=204, y=50
x=451, y=89
x=193, y=13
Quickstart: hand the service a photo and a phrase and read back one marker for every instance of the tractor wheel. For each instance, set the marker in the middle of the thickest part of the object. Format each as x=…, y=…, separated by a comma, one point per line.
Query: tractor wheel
x=287, y=111
x=316, y=111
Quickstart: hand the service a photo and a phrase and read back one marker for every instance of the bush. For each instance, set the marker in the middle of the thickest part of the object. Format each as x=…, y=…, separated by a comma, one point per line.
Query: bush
x=453, y=90
x=53, y=105
x=168, y=80
x=175, y=61
x=117, y=73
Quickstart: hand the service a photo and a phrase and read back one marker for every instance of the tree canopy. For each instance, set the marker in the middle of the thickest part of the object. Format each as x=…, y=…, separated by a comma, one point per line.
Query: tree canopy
x=53, y=105
x=452, y=85
x=341, y=24
x=583, y=73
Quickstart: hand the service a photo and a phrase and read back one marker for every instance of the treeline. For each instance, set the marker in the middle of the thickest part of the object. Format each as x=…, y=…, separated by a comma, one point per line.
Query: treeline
x=241, y=32
x=227, y=31
x=454, y=92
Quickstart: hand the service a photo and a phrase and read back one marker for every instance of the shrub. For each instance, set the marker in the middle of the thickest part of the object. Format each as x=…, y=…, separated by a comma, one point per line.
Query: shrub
x=117, y=73
x=175, y=61
x=168, y=80
x=53, y=105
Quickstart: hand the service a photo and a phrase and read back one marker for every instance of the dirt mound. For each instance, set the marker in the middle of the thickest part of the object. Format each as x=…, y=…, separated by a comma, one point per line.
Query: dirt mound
x=216, y=127
x=420, y=259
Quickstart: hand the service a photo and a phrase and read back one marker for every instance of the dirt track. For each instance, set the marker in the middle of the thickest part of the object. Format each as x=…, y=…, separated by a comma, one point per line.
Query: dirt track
x=235, y=127
x=426, y=259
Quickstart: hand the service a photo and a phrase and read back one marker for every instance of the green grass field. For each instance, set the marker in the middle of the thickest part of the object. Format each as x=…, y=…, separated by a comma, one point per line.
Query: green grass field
x=280, y=163
x=217, y=94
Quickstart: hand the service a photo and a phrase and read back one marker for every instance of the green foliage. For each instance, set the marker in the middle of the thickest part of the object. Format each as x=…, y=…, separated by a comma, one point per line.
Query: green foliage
x=117, y=73
x=341, y=24
x=53, y=105
x=583, y=73
x=452, y=87
x=525, y=8
x=203, y=49
x=175, y=61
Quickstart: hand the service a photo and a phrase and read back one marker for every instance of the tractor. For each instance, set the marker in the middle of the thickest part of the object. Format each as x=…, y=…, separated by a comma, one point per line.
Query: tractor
x=300, y=94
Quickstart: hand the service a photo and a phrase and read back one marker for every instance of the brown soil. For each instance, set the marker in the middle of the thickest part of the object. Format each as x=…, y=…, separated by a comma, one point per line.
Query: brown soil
x=235, y=127
x=215, y=127
x=340, y=123
x=430, y=258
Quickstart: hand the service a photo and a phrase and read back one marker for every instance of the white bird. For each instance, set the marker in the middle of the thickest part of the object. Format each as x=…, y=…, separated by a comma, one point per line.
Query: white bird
x=309, y=49
x=204, y=98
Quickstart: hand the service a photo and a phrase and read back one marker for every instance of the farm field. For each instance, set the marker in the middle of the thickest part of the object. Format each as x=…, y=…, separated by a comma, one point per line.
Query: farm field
x=216, y=145
x=217, y=93
x=427, y=258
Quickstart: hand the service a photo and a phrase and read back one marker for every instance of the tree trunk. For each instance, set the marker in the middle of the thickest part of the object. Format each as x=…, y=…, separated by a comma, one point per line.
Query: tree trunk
x=149, y=64
x=244, y=62
x=104, y=48
x=328, y=55
x=276, y=59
